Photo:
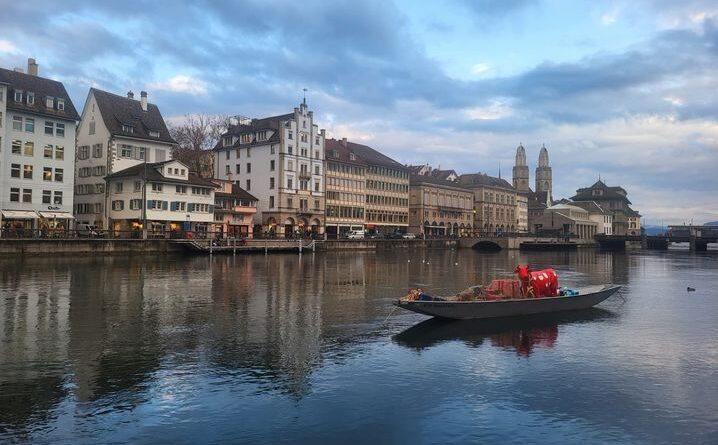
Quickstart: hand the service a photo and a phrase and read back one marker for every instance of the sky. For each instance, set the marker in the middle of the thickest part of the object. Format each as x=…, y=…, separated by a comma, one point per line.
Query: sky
x=624, y=90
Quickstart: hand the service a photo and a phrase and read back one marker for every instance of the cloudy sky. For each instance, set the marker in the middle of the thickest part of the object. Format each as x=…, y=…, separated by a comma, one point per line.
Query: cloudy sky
x=624, y=89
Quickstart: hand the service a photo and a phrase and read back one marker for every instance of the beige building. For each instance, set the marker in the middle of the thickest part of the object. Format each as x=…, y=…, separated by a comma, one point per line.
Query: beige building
x=345, y=178
x=602, y=217
x=495, y=202
x=626, y=221
x=438, y=207
x=234, y=210
x=565, y=220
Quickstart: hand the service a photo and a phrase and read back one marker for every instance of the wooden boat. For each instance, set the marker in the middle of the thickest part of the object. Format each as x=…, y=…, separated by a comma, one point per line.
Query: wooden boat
x=507, y=307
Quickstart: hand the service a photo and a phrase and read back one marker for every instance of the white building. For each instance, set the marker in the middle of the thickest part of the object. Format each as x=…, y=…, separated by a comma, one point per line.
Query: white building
x=280, y=160
x=37, y=152
x=165, y=195
x=115, y=133
x=603, y=218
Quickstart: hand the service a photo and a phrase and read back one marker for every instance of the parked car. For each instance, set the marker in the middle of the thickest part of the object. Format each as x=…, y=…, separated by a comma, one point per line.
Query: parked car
x=408, y=235
x=355, y=234
x=91, y=231
x=395, y=235
x=375, y=235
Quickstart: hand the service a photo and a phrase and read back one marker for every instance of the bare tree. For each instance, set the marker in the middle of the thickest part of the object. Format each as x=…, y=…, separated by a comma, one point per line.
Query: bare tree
x=196, y=136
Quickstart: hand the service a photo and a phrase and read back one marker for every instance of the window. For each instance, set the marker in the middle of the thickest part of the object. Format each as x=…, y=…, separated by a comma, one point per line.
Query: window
x=249, y=185
x=135, y=204
x=181, y=189
x=125, y=151
x=100, y=187
x=61, y=104
x=182, y=172
x=249, y=167
x=271, y=183
x=27, y=171
x=236, y=168
x=26, y=195
x=227, y=141
x=316, y=169
x=118, y=205
x=18, y=95
x=97, y=151
x=83, y=152
x=227, y=170
x=15, y=170
x=304, y=137
x=316, y=204
x=271, y=202
x=303, y=204
x=49, y=101
x=316, y=186
x=128, y=129
x=271, y=149
x=118, y=187
x=262, y=135
x=17, y=123
x=59, y=152
x=49, y=128
x=141, y=153
x=290, y=203
x=0, y=113
x=246, y=138
x=46, y=196
x=14, y=194
x=289, y=149
x=138, y=186
x=57, y=198
x=154, y=134
x=290, y=165
x=60, y=130
x=303, y=184
x=289, y=183
x=29, y=125
x=16, y=147
x=30, y=98
x=90, y=130
x=156, y=187
x=47, y=174
x=249, y=153
x=58, y=174
x=160, y=155
x=47, y=152
x=271, y=165
x=99, y=170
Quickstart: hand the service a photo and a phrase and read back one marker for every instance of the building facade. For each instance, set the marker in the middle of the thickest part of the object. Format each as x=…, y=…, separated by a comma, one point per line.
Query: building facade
x=597, y=214
x=234, y=210
x=37, y=153
x=495, y=204
x=164, y=197
x=567, y=221
x=614, y=200
x=280, y=160
x=115, y=133
x=345, y=177
x=438, y=207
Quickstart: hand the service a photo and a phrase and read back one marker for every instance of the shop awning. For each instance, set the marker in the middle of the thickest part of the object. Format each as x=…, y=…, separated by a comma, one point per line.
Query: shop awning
x=56, y=215
x=19, y=214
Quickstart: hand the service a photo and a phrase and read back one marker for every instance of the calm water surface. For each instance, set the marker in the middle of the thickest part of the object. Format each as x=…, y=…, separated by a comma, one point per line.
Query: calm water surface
x=290, y=349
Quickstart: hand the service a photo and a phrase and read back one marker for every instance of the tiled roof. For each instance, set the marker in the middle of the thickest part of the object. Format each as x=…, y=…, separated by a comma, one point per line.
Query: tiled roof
x=590, y=206
x=117, y=111
x=443, y=174
x=42, y=88
x=586, y=194
x=373, y=157
x=154, y=176
x=425, y=179
x=343, y=154
x=265, y=123
x=472, y=179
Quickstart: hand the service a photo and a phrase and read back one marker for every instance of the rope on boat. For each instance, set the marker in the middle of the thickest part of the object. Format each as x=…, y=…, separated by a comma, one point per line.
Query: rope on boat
x=390, y=313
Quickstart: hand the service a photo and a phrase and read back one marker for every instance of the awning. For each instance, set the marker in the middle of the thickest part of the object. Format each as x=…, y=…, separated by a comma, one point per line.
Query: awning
x=56, y=215
x=19, y=214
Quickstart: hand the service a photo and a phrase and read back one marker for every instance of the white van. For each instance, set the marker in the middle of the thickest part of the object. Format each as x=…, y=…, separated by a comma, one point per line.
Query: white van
x=355, y=234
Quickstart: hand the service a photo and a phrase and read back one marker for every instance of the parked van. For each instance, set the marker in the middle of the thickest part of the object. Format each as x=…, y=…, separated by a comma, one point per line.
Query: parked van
x=90, y=231
x=355, y=234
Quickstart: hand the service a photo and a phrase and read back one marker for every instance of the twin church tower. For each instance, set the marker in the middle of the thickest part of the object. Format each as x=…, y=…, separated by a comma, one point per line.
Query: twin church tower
x=544, y=182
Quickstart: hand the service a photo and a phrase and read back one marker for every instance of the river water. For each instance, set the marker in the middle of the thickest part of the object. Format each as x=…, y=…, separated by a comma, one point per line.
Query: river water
x=306, y=349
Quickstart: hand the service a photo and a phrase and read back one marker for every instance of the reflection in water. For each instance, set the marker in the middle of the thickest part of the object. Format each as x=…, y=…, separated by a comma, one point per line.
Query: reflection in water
x=90, y=347
x=519, y=334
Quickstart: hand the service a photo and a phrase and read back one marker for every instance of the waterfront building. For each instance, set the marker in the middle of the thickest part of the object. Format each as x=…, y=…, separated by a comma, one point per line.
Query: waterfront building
x=345, y=188
x=234, y=210
x=494, y=203
x=37, y=152
x=280, y=160
x=427, y=170
x=565, y=220
x=602, y=217
x=615, y=200
x=115, y=133
x=438, y=207
x=387, y=191
x=165, y=197
x=531, y=204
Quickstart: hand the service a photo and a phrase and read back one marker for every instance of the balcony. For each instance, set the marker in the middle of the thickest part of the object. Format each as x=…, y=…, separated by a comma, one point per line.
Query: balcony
x=303, y=174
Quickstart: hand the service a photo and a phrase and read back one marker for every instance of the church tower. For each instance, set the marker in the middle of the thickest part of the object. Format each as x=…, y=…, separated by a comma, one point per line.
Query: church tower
x=544, y=182
x=521, y=171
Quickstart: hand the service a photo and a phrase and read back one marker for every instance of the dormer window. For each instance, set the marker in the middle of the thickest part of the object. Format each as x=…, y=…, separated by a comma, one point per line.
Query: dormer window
x=335, y=154
x=597, y=192
x=49, y=102
x=262, y=136
x=128, y=129
x=154, y=133
x=30, y=98
x=246, y=138
x=61, y=104
x=18, y=95
x=352, y=157
x=227, y=141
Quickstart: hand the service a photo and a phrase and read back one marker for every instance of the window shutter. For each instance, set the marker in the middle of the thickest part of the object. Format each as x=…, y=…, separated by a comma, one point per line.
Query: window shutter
x=164, y=205
x=211, y=209
x=149, y=204
x=190, y=207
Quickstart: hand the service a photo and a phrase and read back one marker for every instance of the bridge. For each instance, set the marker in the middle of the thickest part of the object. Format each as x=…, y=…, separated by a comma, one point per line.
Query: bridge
x=697, y=237
x=208, y=246
x=519, y=241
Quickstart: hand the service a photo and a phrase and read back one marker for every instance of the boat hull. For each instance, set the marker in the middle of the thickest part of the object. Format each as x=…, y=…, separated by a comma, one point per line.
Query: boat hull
x=466, y=310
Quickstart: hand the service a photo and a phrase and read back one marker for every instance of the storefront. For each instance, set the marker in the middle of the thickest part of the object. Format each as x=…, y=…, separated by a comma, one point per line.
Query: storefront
x=18, y=223
x=53, y=224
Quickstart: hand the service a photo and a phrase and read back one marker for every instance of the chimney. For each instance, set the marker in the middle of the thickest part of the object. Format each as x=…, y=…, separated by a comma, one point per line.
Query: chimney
x=143, y=100
x=130, y=95
x=18, y=70
x=31, y=67
x=344, y=142
x=323, y=132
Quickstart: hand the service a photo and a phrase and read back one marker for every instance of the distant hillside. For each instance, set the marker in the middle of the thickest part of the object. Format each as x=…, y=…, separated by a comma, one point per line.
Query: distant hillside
x=654, y=230
x=712, y=223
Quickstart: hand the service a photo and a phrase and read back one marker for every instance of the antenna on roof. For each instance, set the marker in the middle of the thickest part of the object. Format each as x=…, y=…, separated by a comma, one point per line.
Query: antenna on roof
x=304, y=101
x=499, y=169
